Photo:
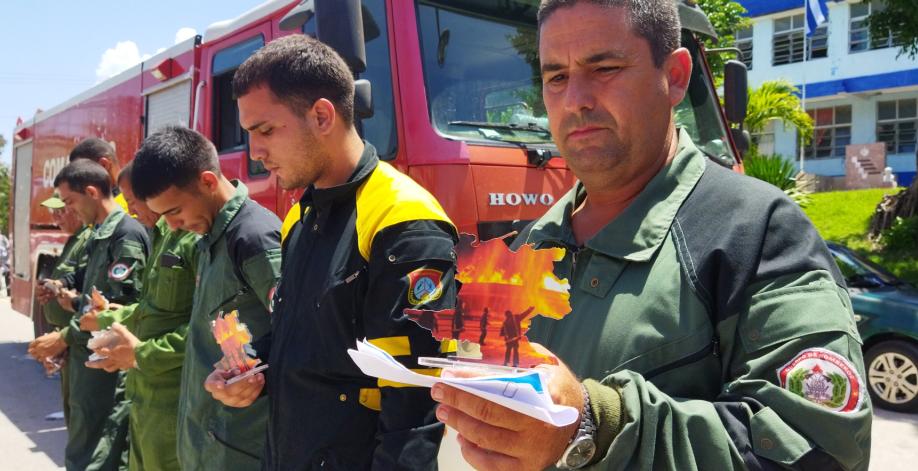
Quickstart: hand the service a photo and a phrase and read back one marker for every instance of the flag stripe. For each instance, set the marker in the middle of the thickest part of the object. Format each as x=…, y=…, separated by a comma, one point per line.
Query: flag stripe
x=816, y=14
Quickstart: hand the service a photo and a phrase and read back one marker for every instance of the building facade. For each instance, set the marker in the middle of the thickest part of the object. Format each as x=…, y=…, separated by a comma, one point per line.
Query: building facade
x=858, y=89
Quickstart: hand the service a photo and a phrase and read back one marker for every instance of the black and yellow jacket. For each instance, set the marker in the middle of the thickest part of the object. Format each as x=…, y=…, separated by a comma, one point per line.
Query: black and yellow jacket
x=361, y=253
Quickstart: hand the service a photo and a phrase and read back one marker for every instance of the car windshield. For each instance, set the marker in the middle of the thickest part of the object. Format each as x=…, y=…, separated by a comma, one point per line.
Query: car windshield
x=483, y=81
x=857, y=270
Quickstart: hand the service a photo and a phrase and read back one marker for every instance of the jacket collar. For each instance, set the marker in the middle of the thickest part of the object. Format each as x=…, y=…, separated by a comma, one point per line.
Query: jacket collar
x=640, y=229
x=226, y=214
x=323, y=197
x=108, y=225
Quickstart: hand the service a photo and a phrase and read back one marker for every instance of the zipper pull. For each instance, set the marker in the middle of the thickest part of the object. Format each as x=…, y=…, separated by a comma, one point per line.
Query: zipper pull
x=715, y=346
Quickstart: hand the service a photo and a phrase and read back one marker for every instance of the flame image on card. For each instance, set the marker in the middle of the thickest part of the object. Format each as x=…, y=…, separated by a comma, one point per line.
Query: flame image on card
x=501, y=292
x=235, y=340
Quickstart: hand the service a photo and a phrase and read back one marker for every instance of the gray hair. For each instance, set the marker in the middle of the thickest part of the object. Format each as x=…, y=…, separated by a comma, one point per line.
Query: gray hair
x=657, y=21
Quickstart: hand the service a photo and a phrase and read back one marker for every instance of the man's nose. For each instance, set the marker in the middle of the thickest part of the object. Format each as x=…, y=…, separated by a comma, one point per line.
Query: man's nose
x=579, y=94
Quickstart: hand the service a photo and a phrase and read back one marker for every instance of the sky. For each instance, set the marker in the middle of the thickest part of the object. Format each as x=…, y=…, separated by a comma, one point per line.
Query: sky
x=51, y=50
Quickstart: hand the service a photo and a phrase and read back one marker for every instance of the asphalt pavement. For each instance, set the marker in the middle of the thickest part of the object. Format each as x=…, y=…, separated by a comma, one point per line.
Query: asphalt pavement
x=29, y=441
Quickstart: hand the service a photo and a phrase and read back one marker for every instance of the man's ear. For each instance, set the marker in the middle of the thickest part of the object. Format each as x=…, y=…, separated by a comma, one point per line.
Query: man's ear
x=92, y=191
x=106, y=163
x=208, y=181
x=324, y=116
x=678, y=68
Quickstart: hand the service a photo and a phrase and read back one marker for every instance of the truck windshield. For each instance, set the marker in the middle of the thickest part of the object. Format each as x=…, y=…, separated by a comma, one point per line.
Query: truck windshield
x=481, y=67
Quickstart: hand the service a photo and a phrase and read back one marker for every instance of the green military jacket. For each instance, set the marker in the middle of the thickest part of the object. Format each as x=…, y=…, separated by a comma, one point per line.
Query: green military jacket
x=97, y=438
x=160, y=318
x=238, y=268
x=72, y=258
x=711, y=326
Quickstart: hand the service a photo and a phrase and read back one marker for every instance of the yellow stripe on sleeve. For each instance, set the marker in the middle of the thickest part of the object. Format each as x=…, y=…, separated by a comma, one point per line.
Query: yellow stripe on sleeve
x=385, y=383
x=395, y=346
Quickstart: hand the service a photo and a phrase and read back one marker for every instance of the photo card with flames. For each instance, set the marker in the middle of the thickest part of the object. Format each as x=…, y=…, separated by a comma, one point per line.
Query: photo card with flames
x=501, y=292
x=235, y=340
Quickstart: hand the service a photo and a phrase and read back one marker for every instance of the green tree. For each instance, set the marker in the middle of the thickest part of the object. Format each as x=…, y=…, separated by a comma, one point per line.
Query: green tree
x=899, y=17
x=777, y=100
x=727, y=17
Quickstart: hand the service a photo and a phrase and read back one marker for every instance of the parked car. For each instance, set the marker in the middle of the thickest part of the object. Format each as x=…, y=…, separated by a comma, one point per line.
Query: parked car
x=886, y=310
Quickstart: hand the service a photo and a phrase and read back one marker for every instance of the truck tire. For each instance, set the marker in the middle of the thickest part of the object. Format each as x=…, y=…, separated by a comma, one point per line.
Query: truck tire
x=892, y=375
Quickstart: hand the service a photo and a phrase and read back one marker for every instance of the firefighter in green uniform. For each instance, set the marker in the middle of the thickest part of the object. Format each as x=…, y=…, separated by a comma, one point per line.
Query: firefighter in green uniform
x=118, y=249
x=72, y=258
x=710, y=327
x=102, y=153
x=151, y=345
x=238, y=267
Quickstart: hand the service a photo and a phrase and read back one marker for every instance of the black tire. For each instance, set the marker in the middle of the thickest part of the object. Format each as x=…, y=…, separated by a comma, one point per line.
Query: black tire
x=892, y=375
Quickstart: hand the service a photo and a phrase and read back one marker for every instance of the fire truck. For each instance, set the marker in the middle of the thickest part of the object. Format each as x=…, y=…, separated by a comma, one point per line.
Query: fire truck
x=448, y=91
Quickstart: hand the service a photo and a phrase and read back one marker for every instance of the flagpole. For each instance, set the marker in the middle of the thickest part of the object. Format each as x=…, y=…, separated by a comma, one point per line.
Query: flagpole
x=803, y=100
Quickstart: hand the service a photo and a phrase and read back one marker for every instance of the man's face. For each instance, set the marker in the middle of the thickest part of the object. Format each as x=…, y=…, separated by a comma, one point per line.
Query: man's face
x=608, y=104
x=184, y=208
x=66, y=219
x=281, y=139
x=144, y=214
x=84, y=206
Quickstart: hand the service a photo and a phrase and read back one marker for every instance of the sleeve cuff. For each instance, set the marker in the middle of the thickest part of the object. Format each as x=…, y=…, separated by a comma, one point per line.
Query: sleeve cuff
x=608, y=414
x=65, y=335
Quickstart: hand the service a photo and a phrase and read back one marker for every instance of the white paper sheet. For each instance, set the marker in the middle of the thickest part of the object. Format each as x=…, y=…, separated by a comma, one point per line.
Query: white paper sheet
x=522, y=392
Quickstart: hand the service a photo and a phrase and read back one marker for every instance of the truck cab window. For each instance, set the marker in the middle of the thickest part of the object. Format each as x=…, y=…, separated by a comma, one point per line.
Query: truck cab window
x=228, y=134
x=379, y=129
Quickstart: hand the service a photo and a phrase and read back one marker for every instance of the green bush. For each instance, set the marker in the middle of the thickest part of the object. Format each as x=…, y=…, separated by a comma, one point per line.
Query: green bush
x=778, y=171
x=903, y=235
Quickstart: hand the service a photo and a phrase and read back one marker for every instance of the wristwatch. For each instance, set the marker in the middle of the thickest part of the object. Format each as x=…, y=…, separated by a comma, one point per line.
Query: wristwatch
x=583, y=446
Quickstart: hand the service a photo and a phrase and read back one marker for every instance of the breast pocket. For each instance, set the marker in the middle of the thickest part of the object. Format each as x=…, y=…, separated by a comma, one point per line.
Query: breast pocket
x=174, y=286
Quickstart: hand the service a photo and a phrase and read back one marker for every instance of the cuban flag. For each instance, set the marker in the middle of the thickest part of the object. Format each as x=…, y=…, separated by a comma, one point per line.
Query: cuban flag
x=817, y=13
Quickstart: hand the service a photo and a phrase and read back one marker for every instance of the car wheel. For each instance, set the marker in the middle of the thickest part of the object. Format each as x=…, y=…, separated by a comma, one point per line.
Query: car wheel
x=892, y=375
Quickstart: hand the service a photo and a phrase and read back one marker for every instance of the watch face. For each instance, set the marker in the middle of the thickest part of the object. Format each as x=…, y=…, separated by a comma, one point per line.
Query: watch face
x=581, y=452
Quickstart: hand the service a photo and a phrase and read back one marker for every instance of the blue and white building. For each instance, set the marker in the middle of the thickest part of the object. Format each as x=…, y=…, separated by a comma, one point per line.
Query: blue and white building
x=857, y=89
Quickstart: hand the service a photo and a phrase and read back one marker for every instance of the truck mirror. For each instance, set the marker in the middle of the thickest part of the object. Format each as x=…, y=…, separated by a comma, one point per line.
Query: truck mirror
x=742, y=139
x=339, y=23
x=736, y=91
x=297, y=16
x=363, y=99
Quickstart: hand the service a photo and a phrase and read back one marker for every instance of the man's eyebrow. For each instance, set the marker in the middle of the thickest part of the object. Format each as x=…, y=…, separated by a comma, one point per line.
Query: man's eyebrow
x=593, y=59
x=255, y=126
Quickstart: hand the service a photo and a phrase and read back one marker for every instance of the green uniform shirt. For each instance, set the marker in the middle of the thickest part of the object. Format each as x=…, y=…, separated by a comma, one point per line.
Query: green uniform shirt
x=97, y=434
x=685, y=310
x=238, y=268
x=72, y=258
x=160, y=321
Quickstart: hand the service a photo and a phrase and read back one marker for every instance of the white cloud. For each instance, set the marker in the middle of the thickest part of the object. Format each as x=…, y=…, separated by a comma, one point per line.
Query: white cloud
x=184, y=33
x=118, y=59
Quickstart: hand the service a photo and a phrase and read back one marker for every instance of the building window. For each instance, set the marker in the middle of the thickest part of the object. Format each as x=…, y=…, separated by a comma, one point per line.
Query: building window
x=896, y=123
x=832, y=132
x=859, y=31
x=788, y=41
x=744, y=44
x=765, y=141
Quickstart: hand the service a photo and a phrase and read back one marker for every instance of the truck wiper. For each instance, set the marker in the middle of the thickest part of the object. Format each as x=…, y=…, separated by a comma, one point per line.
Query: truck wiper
x=531, y=127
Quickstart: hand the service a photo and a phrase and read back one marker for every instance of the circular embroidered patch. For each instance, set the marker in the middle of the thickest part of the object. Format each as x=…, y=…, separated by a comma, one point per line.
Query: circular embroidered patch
x=424, y=286
x=824, y=377
x=119, y=271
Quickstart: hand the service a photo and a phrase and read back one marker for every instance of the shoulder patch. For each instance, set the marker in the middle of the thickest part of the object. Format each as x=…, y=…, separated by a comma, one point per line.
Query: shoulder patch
x=825, y=378
x=119, y=271
x=424, y=285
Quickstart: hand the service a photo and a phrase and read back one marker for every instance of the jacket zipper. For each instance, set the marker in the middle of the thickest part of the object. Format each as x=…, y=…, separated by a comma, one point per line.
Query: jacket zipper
x=231, y=447
x=712, y=348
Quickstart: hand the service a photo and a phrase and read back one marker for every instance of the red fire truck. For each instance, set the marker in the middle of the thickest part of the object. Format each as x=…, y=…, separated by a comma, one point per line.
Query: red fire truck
x=448, y=91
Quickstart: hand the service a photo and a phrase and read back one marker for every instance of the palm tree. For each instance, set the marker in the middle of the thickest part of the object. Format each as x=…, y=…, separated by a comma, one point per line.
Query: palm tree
x=777, y=100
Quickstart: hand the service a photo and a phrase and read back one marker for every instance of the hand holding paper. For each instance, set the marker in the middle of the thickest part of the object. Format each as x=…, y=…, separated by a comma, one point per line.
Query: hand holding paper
x=521, y=392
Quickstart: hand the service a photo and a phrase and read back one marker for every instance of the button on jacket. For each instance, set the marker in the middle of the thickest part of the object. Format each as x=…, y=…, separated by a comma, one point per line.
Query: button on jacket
x=97, y=436
x=160, y=321
x=348, y=269
x=687, y=307
x=238, y=268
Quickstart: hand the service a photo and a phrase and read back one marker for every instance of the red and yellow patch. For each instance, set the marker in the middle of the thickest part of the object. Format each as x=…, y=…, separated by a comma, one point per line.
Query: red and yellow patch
x=824, y=377
x=424, y=285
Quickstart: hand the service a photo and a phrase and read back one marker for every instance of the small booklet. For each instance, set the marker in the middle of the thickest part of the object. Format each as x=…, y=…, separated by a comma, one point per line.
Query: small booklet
x=235, y=340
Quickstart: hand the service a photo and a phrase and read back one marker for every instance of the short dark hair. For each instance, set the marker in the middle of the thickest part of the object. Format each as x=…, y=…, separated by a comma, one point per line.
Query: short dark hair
x=82, y=173
x=657, y=21
x=93, y=149
x=125, y=174
x=299, y=70
x=173, y=156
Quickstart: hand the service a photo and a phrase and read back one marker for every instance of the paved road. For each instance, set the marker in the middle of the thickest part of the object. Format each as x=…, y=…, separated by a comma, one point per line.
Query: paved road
x=30, y=442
